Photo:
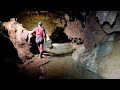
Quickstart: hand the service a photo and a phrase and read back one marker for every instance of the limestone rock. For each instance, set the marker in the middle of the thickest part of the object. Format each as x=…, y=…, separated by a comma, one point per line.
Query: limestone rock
x=108, y=29
x=91, y=59
x=109, y=67
x=104, y=16
x=92, y=32
x=104, y=59
x=77, y=52
x=19, y=36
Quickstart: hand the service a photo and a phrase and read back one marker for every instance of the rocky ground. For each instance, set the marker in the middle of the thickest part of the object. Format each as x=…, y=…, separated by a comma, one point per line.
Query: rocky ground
x=60, y=66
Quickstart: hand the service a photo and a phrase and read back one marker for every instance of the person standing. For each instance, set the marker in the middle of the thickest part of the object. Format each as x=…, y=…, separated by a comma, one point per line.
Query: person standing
x=40, y=34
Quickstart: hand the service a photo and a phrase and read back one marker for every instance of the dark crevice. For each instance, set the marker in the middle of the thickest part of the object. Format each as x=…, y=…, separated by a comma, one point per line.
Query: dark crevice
x=58, y=36
x=8, y=57
x=34, y=47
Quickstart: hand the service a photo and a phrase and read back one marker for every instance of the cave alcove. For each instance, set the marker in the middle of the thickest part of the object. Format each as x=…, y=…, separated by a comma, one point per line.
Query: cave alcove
x=58, y=36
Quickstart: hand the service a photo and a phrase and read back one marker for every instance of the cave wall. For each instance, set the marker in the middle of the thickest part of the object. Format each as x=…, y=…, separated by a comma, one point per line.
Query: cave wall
x=50, y=20
x=54, y=20
x=20, y=38
x=74, y=31
x=8, y=57
x=101, y=44
x=93, y=33
x=100, y=32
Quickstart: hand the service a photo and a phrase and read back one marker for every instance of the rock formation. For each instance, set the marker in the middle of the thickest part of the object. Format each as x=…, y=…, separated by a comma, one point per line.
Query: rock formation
x=20, y=37
x=101, y=45
x=74, y=30
x=99, y=32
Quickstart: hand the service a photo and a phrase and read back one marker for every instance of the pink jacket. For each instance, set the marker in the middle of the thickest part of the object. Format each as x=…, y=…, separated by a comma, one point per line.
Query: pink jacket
x=38, y=31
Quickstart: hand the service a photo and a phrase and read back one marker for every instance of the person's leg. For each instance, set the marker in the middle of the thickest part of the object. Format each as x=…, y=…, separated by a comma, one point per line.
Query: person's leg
x=41, y=50
x=40, y=46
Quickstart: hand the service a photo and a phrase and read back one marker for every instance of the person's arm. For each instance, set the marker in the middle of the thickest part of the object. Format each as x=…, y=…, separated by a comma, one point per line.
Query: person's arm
x=33, y=31
x=44, y=35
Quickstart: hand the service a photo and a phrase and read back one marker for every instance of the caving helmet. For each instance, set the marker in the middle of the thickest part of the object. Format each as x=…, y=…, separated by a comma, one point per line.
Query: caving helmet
x=40, y=23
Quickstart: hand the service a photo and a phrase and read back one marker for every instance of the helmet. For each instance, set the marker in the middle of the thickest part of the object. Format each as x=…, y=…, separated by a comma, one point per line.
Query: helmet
x=40, y=23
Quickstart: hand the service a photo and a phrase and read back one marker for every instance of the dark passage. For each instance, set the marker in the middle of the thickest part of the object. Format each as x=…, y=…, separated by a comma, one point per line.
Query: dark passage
x=58, y=36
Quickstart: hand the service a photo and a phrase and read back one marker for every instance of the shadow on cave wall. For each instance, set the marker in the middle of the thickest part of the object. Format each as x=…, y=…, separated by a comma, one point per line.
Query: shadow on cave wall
x=58, y=36
x=34, y=48
x=8, y=57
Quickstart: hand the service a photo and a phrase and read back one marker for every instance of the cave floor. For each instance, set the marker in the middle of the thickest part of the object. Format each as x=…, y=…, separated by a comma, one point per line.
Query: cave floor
x=58, y=67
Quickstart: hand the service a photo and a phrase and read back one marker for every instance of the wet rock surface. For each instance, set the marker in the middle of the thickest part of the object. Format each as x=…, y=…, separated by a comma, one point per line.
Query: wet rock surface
x=100, y=53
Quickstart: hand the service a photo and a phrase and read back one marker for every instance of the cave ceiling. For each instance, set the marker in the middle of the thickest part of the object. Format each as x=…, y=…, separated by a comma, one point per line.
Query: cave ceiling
x=11, y=8
x=15, y=5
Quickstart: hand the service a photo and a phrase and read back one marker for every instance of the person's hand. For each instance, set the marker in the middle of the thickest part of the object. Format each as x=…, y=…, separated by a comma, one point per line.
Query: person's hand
x=30, y=32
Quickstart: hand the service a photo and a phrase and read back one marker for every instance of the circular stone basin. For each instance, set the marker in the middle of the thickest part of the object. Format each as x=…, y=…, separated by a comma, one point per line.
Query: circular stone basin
x=61, y=48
